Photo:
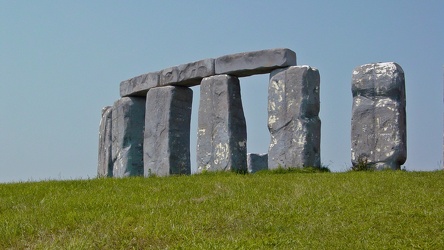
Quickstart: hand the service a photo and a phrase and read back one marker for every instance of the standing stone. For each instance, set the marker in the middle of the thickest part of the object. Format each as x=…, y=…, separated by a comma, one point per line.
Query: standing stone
x=222, y=133
x=167, y=131
x=257, y=162
x=293, y=121
x=378, y=127
x=105, y=164
x=128, y=117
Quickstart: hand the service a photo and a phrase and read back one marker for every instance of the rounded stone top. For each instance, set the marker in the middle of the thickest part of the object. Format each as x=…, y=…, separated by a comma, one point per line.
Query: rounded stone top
x=379, y=79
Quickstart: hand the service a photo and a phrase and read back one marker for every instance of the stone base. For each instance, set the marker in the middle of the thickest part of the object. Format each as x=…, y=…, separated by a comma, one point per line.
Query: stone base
x=257, y=162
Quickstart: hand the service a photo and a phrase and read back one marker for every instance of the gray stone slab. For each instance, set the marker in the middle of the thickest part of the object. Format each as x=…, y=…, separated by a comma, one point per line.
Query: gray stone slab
x=189, y=74
x=378, y=127
x=167, y=131
x=139, y=85
x=255, y=62
x=293, y=121
x=222, y=133
x=257, y=162
x=105, y=164
x=128, y=118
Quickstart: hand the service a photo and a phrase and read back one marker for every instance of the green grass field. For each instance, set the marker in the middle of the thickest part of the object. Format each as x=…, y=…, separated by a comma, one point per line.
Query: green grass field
x=352, y=210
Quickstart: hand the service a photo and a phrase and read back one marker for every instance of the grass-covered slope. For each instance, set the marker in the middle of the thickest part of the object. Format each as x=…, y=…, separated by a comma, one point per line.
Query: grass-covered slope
x=355, y=210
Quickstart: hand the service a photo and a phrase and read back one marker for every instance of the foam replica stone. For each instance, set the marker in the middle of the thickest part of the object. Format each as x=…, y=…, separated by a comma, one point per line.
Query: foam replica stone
x=222, y=133
x=257, y=162
x=128, y=117
x=378, y=127
x=139, y=85
x=293, y=122
x=167, y=131
x=105, y=164
x=189, y=74
x=256, y=62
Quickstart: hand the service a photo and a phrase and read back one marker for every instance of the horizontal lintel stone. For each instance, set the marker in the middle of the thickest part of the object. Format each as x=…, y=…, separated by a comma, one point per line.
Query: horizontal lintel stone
x=139, y=85
x=189, y=74
x=255, y=62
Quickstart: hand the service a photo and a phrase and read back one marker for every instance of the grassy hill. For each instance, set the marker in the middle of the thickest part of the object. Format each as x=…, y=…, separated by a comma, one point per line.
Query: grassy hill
x=353, y=210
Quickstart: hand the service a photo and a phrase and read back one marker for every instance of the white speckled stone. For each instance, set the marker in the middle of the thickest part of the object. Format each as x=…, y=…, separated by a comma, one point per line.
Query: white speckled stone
x=222, y=133
x=378, y=127
x=293, y=121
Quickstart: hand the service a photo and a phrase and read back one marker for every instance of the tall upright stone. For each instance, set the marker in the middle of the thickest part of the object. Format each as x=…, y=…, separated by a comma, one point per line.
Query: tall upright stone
x=105, y=164
x=378, y=126
x=293, y=121
x=128, y=117
x=167, y=131
x=222, y=133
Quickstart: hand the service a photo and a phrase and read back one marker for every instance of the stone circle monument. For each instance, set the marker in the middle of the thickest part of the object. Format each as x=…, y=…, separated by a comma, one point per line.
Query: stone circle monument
x=147, y=131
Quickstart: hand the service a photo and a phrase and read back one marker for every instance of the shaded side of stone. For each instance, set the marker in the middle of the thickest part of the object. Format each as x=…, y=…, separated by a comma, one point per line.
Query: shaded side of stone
x=378, y=126
x=167, y=131
x=128, y=118
x=257, y=162
x=105, y=164
x=139, y=85
x=255, y=62
x=293, y=121
x=189, y=74
x=222, y=133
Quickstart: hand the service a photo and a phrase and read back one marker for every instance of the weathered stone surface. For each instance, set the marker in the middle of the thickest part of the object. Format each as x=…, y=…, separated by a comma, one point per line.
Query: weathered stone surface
x=293, y=122
x=105, y=164
x=189, y=74
x=257, y=162
x=139, y=85
x=128, y=117
x=167, y=131
x=378, y=134
x=255, y=62
x=222, y=133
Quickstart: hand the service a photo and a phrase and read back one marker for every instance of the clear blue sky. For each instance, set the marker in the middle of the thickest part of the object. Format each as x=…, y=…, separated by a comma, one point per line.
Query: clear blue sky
x=62, y=61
